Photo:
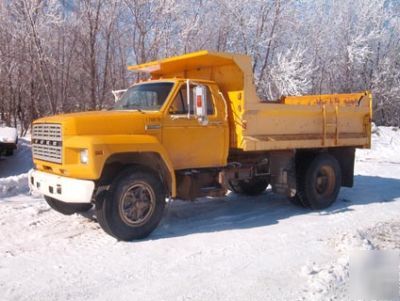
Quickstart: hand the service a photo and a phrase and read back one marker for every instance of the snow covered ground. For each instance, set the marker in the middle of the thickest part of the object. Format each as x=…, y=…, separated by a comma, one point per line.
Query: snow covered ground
x=233, y=248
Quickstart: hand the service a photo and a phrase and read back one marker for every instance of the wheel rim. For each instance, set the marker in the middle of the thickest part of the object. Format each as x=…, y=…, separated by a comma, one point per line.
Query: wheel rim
x=325, y=181
x=137, y=204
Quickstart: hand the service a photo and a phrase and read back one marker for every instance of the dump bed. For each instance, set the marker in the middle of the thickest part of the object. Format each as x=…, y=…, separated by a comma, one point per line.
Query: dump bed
x=312, y=121
x=309, y=122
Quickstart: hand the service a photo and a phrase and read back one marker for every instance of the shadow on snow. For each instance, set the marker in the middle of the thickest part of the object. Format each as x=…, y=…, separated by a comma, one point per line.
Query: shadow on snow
x=19, y=163
x=241, y=212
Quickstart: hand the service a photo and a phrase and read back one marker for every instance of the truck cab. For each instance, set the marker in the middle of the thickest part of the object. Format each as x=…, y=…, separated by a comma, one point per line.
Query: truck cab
x=195, y=128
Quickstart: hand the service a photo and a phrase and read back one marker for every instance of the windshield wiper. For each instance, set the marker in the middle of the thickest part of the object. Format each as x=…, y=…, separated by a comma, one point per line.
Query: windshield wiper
x=127, y=107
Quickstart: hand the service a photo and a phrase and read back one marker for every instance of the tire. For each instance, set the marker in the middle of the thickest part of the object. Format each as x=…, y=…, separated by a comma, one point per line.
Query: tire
x=252, y=187
x=67, y=208
x=318, y=182
x=134, y=205
x=9, y=152
x=301, y=169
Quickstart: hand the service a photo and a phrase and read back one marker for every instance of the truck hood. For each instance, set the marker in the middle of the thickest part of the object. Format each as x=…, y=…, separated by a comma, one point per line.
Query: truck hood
x=104, y=122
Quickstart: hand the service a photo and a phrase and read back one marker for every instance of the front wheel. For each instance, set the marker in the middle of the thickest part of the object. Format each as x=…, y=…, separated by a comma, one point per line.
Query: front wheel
x=67, y=208
x=133, y=207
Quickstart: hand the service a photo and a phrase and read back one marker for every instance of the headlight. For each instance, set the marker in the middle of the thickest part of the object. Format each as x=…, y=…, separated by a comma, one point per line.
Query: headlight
x=84, y=156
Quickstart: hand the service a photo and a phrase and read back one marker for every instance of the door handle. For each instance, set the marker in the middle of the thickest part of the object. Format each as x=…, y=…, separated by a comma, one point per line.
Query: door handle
x=215, y=123
x=152, y=126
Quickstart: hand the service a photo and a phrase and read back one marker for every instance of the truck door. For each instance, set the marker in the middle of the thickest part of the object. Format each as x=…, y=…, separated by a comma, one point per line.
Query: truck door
x=190, y=143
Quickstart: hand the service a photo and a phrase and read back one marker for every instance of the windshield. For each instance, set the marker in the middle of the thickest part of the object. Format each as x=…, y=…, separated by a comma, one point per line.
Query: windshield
x=144, y=97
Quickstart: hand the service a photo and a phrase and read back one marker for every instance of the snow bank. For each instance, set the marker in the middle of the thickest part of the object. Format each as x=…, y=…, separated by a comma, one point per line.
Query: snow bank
x=13, y=185
x=331, y=280
x=14, y=170
x=385, y=146
x=385, y=235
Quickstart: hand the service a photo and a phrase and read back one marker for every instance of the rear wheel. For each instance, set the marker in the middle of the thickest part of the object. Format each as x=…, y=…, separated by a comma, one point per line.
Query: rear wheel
x=318, y=183
x=67, y=208
x=133, y=207
x=253, y=186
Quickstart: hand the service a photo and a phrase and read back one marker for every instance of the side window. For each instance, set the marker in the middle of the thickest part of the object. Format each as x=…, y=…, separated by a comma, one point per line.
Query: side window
x=210, y=103
x=179, y=105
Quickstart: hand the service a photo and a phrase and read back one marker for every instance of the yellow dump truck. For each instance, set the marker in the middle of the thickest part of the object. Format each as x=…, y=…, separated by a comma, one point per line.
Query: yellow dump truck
x=196, y=128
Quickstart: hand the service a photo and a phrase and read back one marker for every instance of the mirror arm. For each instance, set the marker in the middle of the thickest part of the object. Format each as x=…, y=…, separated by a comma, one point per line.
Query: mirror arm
x=188, y=97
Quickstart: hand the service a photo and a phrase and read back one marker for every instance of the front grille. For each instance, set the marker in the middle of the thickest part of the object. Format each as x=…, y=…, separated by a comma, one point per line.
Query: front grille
x=47, y=142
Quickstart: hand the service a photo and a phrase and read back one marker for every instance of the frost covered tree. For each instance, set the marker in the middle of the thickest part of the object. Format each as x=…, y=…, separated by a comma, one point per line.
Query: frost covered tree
x=67, y=55
x=290, y=74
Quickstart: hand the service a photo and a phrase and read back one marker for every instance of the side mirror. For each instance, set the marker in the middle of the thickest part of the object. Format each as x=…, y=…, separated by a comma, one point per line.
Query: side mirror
x=200, y=103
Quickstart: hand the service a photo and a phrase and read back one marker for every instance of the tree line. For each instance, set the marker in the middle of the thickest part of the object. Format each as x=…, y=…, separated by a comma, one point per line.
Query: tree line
x=67, y=55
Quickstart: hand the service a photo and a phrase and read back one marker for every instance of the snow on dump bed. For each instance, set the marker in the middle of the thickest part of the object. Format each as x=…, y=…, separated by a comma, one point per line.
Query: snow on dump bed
x=233, y=248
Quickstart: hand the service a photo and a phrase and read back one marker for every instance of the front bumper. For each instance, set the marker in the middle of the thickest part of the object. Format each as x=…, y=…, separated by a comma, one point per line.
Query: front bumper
x=64, y=189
